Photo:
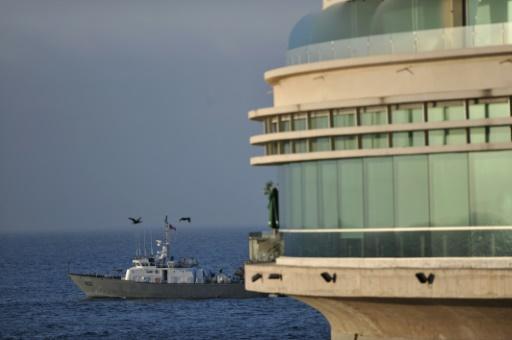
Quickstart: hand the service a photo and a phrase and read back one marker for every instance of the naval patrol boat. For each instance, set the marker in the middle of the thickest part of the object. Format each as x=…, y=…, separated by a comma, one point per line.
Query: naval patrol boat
x=162, y=277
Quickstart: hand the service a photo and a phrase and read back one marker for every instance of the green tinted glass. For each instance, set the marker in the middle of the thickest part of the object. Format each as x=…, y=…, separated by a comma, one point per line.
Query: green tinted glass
x=379, y=195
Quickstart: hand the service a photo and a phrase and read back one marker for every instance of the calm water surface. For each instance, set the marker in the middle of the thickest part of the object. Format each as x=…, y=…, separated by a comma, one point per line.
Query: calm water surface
x=37, y=300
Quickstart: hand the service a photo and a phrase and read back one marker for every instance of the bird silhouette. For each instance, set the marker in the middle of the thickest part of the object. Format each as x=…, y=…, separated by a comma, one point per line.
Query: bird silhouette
x=135, y=220
x=185, y=219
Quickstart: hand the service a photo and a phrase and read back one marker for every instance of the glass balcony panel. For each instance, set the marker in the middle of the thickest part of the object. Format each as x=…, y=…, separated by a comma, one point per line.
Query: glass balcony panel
x=380, y=44
x=342, y=49
x=359, y=47
x=488, y=35
x=403, y=43
x=429, y=40
x=453, y=38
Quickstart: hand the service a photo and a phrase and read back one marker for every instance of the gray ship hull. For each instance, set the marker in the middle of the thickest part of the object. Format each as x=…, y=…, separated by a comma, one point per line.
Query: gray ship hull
x=108, y=287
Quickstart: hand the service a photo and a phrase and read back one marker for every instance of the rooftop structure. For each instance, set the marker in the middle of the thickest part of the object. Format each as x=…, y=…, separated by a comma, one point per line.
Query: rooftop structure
x=392, y=133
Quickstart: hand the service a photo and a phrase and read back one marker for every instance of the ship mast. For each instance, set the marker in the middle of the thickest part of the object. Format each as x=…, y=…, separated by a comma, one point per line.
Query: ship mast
x=167, y=241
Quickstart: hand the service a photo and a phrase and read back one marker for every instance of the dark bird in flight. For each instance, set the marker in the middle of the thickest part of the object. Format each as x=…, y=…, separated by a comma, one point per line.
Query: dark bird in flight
x=185, y=219
x=135, y=220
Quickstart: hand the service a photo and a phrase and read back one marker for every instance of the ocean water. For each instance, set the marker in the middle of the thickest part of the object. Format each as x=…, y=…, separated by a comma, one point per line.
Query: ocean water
x=37, y=300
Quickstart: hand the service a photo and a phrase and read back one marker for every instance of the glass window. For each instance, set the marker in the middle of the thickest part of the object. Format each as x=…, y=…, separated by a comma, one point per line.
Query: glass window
x=319, y=120
x=374, y=116
x=447, y=111
x=492, y=108
x=411, y=191
x=478, y=135
x=487, y=11
x=375, y=141
x=403, y=114
x=491, y=191
x=379, y=196
x=328, y=194
x=295, y=196
x=271, y=125
x=310, y=194
x=300, y=122
x=321, y=144
x=345, y=143
x=344, y=118
x=272, y=149
x=285, y=123
x=449, y=192
x=286, y=147
x=455, y=136
x=410, y=138
x=350, y=193
x=285, y=195
x=300, y=146
x=499, y=134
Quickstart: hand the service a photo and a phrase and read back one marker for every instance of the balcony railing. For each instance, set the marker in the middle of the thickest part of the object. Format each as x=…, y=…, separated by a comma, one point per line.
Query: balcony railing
x=404, y=43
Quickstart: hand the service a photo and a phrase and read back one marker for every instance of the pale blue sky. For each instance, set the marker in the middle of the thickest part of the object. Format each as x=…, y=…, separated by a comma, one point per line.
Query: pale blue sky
x=110, y=109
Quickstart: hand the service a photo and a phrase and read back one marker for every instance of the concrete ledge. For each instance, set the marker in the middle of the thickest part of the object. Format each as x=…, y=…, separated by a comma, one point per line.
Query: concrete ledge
x=386, y=279
x=338, y=154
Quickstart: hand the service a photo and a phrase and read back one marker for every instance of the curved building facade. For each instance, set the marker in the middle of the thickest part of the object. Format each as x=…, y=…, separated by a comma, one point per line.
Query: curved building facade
x=392, y=134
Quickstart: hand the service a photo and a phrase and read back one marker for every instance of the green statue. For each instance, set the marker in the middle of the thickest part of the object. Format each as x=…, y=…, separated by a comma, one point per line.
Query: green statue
x=273, y=205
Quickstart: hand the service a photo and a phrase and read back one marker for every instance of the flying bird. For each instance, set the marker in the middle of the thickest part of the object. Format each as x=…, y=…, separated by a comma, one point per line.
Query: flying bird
x=135, y=220
x=185, y=219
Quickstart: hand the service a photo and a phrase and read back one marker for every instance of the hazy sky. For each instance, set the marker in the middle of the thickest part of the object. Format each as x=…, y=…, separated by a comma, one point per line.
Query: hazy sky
x=110, y=109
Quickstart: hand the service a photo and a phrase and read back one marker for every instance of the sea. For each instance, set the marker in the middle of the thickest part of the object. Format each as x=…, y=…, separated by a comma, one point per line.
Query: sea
x=39, y=301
